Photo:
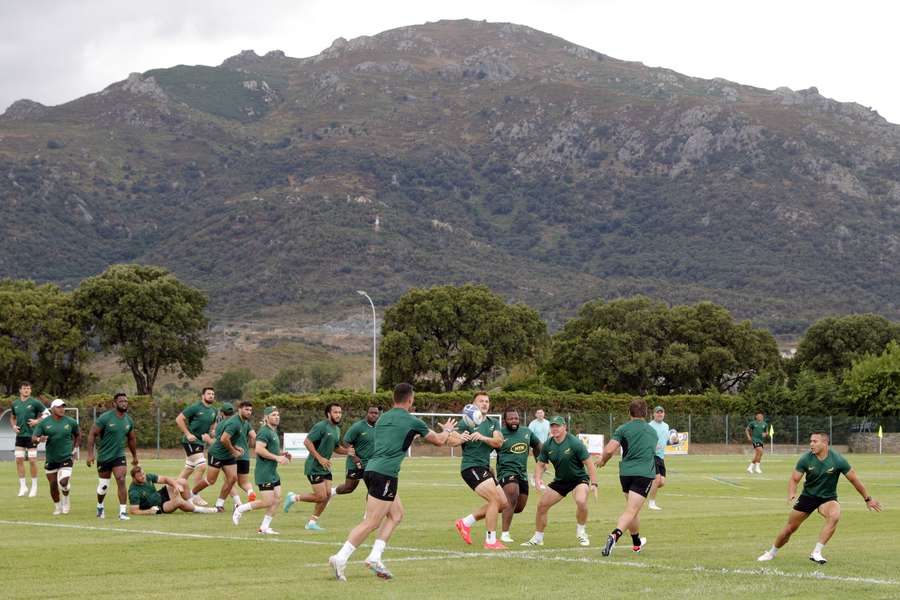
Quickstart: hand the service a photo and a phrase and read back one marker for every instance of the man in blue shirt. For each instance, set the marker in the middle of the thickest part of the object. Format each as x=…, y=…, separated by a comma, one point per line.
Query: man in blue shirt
x=540, y=426
x=662, y=437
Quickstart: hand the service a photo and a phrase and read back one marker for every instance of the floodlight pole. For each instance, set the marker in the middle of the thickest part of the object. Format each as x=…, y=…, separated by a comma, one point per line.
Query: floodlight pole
x=374, y=339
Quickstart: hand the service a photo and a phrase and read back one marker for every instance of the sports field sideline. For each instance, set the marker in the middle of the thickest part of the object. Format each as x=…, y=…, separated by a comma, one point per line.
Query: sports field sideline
x=716, y=520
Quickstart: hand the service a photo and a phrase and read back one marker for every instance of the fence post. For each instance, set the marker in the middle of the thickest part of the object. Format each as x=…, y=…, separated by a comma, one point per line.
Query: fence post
x=610, y=426
x=726, y=429
x=797, y=433
x=830, y=428
x=158, y=421
x=689, y=428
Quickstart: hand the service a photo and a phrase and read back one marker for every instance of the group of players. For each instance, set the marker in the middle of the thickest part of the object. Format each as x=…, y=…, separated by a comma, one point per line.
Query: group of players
x=375, y=448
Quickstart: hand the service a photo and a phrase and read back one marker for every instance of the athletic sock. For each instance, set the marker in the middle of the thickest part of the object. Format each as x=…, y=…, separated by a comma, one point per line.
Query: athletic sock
x=506, y=533
x=469, y=520
x=333, y=492
x=635, y=539
x=123, y=508
x=490, y=537
x=538, y=536
x=99, y=505
x=616, y=533
x=267, y=520
x=819, y=548
x=34, y=482
x=236, y=499
x=56, y=505
x=22, y=482
x=773, y=550
x=346, y=551
x=220, y=502
x=242, y=508
x=377, y=550
x=580, y=529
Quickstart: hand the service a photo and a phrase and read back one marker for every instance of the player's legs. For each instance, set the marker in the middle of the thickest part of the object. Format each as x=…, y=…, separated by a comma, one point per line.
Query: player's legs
x=795, y=519
x=21, y=452
x=658, y=483
x=580, y=495
x=831, y=511
x=212, y=475
x=376, y=511
x=511, y=491
x=628, y=521
x=549, y=498
x=103, y=478
x=391, y=522
x=52, y=479
x=118, y=473
x=347, y=487
x=496, y=502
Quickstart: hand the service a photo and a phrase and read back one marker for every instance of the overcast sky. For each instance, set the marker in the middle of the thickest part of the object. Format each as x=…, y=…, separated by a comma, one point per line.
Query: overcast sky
x=56, y=51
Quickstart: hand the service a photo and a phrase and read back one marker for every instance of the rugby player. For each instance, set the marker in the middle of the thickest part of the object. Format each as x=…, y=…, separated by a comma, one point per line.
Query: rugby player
x=145, y=499
x=25, y=414
x=243, y=471
x=637, y=470
x=63, y=437
x=115, y=428
x=757, y=430
x=662, y=437
x=225, y=450
x=512, y=466
x=196, y=423
x=822, y=468
x=573, y=472
x=268, y=457
x=360, y=437
x=394, y=433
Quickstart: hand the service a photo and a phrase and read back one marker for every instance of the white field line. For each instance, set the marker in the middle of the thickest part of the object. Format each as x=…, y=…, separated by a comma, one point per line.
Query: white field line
x=726, y=482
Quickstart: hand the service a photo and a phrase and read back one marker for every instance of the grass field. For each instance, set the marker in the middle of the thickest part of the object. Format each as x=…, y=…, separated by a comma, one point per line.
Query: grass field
x=716, y=520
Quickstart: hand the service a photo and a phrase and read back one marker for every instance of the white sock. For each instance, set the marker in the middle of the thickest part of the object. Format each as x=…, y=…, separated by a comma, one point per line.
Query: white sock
x=34, y=482
x=346, y=551
x=490, y=537
x=204, y=509
x=773, y=550
x=236, y=499
x=220, y=502
x=377, y=549
x=579, y=529
x=56, y=505
x=505, y=533
x=819, y=548
x=242, y=508
x=22, y=482
x=99, y=505
x=538, y=536
x=469, y=520
x=333, y=492
x=123, y=508
x=267, y=520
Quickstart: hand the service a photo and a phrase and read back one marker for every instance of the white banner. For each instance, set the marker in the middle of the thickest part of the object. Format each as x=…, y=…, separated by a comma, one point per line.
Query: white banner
x=593, y=441
x=293, y=443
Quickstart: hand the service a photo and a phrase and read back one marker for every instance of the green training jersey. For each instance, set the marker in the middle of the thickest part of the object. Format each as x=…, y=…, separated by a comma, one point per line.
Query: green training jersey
x=237, y=428
x=266, y=470
x=25, y=410
x=325, y=437
x=567, y=458
x=512, y=457
x=243, y=442
x=361, y=436
x=394, y=433
x=822, y=475
x=144, y=495
x=757, y=430
x=477, y=454
x=113, y=435
x=60, y=435
x=200, y=418
x=638, y=441
x=662, y=436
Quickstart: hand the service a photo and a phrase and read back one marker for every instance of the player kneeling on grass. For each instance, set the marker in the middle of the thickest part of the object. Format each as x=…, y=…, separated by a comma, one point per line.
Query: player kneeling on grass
x=822, y=468
x=573, y=472
x=62, y=439
x=394, y=433
x=145, y=499
x=268, y=457
x=637, y=470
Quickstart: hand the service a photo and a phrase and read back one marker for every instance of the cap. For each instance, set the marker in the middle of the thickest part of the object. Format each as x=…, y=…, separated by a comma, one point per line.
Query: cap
x=269, y=410
x=57, y=402
x=659, y=409
x=557, y=420
x=227, y=408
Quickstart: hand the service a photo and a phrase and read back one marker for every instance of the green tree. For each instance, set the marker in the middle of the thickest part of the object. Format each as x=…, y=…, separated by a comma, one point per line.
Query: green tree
x=150, y=319
x=323, y=377
x=872, y=386
x=231, y=384
x=290, y=380
x=832, y=344
x=42, y=339
x=456, y=336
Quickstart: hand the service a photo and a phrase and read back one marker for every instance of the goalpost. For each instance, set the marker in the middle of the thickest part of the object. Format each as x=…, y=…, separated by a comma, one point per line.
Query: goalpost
x=425, y=416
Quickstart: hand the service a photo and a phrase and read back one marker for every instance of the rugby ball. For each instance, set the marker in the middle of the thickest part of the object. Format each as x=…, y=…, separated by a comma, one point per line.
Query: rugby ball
x=673, y=437
x=471, y=414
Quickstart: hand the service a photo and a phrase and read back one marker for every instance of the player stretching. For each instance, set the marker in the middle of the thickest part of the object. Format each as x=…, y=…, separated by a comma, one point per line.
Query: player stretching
x=477, y=444
x=115, y=428
x=637, y=470
x=196, y=423
x=757, y=430
x=26, y=413
x=145, y=499
x=230, y=435
x=322, y=441
x=512, y=466
x=62, y=438
x=822, y=468
x=662, y=437
x=394, y=433
x=360, y=437
x=573, y=472
x=268, y=457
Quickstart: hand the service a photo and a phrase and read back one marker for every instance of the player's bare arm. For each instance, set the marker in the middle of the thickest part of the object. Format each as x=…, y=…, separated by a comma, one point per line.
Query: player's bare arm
x=871, y=503
x=92, y=436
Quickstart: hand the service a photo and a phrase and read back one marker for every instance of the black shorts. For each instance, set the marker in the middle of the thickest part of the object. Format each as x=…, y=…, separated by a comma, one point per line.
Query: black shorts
x=55, y=466
x=636, y=484
x=381, y=487
x=808, y=504
x=163, y=498
x=192, y=448
x=268, y=487
x=522, y=481
x=218, y=463
x=759, y=444
x=356, y=473
x=660, y=465
x=564, y=487
x=25, y=441
x=243, y=467
x=473, y=476
x=314, y=479
x=106, y=467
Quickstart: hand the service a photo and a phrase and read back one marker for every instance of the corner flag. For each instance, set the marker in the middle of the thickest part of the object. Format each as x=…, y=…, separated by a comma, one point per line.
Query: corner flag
x=771, y=432
x=880, y=432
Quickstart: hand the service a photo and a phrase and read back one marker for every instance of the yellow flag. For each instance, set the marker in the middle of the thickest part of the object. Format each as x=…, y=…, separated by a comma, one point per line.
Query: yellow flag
x=771, y=432
x=880, y=433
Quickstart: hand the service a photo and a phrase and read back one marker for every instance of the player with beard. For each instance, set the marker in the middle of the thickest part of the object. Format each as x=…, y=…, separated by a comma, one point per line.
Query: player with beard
x=196, y=424
x=512, y=466
x=360, y=437
x=63, y=437
x=115, y=429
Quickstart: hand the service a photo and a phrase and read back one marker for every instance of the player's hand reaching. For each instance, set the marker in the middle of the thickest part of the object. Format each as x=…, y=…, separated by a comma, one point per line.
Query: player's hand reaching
x=449, y=425
x=873, y=504
x=282, y=460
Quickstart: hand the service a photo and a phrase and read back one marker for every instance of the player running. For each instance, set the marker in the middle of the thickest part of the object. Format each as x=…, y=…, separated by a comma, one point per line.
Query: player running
x=822, y=468
x=268, y=457
x=243, y=471
x=662, y=437
x=573, y=472
x=637, y=470
x=196, y=423
x=394, y=433
x=115, y=428
x=757, y=430
x=477, y=444
x=230, y=435
x=512, y=466
x=63, y=437
x=145, y=499
x=26, y=413
x=322, y=441
x=360, y=437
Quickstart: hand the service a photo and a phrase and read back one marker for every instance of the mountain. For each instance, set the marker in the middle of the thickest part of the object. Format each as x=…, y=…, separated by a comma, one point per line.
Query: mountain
x=460, y=151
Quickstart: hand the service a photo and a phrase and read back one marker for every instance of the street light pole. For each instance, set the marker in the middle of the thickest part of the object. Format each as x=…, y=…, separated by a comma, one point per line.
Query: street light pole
x=374, y=342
